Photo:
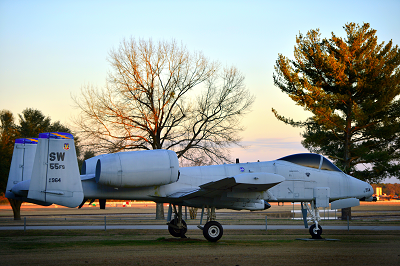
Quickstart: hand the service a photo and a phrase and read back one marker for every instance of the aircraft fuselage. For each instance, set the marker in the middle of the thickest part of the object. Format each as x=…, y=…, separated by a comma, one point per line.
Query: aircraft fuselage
x=298, y=186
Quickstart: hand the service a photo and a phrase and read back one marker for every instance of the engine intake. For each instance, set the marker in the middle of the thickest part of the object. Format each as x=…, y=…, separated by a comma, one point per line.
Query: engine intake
x=137, y=169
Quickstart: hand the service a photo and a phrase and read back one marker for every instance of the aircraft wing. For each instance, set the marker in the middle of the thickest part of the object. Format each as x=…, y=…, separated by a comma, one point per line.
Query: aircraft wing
x=248, y=182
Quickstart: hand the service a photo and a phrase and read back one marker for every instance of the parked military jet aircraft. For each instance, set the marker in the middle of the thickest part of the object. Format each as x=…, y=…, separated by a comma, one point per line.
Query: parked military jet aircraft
x=45, y=171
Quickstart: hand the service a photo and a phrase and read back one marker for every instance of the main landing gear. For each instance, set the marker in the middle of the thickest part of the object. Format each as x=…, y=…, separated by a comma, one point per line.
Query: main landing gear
x=315, y=230
x=212, y=230
x=177, y=227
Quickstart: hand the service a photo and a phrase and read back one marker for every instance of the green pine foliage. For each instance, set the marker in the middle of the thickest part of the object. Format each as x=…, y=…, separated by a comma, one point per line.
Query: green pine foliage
x=8, y=133
x=351, y=86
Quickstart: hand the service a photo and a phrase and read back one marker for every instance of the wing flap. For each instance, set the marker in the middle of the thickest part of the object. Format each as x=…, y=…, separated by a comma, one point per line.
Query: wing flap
x=247, y=182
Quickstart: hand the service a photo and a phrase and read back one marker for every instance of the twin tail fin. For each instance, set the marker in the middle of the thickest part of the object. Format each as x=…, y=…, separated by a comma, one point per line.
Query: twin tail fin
x=51, y=176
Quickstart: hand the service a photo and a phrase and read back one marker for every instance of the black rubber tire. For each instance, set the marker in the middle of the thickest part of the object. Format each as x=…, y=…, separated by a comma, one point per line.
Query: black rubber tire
x=177, y=232
x=315, y=233
x=213, y=231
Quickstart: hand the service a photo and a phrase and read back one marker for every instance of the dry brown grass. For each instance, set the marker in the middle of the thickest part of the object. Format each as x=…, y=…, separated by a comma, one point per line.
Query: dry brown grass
x=155, y=247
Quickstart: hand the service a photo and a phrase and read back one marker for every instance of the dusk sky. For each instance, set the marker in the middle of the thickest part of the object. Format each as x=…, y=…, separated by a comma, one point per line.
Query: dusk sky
x=50, y=49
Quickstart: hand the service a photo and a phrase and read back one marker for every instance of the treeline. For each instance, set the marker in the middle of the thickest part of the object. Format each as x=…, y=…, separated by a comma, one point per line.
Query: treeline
x=388, y=189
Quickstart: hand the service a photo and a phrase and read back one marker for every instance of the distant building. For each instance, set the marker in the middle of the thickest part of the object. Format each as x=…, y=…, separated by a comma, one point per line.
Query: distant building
x=378, y=192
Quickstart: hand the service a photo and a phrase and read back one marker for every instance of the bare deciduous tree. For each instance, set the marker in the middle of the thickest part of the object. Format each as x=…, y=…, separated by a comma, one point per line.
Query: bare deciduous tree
x=161, y=96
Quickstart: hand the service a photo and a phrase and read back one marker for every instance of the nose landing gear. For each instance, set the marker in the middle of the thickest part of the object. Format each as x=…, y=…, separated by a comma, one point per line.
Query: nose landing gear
x=315, y=230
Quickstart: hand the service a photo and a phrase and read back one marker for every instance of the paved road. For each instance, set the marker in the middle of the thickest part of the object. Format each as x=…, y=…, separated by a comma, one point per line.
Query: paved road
x=190, y=227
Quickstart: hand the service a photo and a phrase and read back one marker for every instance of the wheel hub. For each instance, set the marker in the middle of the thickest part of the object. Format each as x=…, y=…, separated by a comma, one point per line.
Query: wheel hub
x=213, y=231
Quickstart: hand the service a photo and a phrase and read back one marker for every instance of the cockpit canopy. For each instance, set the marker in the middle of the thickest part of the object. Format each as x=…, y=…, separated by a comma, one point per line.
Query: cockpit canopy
x=311, y=160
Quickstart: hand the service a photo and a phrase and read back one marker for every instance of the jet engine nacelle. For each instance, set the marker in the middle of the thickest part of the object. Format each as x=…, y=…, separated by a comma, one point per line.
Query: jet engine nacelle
x=137, y=169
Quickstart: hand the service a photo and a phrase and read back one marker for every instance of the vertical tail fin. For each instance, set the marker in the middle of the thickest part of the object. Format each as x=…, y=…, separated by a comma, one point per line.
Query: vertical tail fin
x=21, y=163
x=55, y=175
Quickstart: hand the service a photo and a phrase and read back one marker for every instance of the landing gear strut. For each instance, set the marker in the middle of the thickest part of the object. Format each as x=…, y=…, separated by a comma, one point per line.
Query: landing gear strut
x=315, y=230
x=177, y=227
x=212, y=230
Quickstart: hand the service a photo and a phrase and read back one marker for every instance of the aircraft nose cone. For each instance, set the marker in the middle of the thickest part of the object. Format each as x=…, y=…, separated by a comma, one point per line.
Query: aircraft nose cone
x=369, y=190
x=360, y=189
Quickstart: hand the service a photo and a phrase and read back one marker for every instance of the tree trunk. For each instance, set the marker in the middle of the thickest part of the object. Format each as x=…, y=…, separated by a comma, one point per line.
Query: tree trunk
x=102, y=203
x=16, y=207
x=193, y=212
x=347, y=141
x=346, y=212
x=160, y=211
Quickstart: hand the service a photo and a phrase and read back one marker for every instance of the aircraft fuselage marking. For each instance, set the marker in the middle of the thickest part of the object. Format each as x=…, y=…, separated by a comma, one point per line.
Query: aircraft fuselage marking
x=59, y=156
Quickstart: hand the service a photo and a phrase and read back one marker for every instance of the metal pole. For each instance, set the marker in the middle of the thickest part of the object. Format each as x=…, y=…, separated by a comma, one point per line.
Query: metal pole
x=105, y=223
x=169, y=217
x=266, y=225
x=185, y=212
x=293, y=209
x=202, y=213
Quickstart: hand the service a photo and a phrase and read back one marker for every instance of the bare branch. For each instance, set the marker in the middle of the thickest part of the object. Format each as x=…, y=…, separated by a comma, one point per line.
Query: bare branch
x=158, y=95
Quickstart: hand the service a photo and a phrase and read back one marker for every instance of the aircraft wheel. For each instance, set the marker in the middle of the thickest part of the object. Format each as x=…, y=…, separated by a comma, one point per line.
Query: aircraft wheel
x=213, y=231
x=316, y=234
x=177, y=232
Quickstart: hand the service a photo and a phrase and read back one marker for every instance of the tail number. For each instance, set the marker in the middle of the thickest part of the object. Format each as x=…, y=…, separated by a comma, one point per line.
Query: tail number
x=54, y=180
x=57, y=166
